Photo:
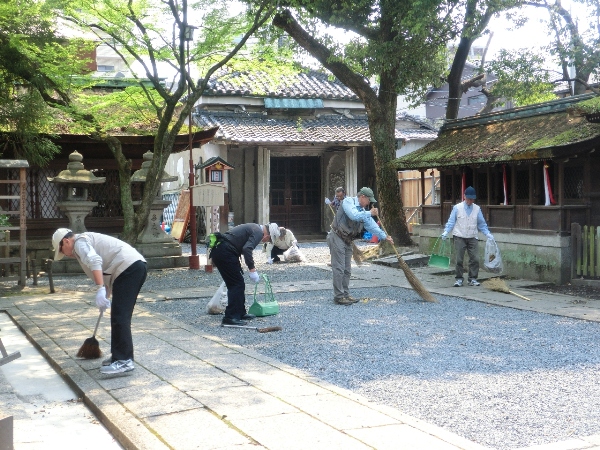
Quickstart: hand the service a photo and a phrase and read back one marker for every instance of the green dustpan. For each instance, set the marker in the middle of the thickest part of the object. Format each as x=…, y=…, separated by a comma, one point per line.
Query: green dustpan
x=440, y=260
x=267, y=306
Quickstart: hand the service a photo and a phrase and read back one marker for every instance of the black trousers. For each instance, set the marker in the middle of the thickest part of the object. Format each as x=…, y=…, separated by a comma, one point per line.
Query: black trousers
x=124, y=296
x=230, y=268
x=275, y=252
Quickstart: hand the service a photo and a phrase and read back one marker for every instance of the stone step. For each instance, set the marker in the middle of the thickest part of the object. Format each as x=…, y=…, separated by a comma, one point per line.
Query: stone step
x=411, y=259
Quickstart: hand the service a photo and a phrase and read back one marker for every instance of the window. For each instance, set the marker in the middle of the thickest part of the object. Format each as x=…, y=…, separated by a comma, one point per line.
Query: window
x=106, y=68
x=477, y=99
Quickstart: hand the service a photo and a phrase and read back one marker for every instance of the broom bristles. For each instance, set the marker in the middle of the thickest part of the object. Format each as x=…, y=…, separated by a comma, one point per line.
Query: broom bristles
x=357, y=254
x=414, y=281
x=496, y=284
x=90, y=349
x=499, y=285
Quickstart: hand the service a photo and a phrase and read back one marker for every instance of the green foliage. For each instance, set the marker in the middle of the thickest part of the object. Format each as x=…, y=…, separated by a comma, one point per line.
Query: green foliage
x=521, y=78
x=591, y=106
x=4, y=222
x=35, y=73
x=126, y=111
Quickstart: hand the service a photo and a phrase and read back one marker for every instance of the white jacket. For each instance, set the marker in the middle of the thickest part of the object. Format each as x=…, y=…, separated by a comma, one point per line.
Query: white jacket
x=466, y=226
x=283, y=242
x=105, y=253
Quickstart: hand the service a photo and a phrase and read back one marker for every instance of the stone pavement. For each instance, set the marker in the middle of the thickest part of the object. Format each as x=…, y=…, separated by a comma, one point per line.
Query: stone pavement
x=195, y=391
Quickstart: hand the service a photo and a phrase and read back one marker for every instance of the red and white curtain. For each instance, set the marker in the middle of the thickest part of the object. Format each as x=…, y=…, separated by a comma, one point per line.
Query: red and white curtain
x=504, y=184
x=548, y=187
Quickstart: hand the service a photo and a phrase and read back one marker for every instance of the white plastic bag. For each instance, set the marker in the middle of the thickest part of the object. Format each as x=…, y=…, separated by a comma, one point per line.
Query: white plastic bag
x=218, y=302
x=492, y=259
x=293, y=254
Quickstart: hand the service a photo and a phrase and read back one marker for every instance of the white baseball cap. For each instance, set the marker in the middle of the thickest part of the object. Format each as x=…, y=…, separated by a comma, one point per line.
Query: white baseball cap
x=56, y=238
x=274, y=231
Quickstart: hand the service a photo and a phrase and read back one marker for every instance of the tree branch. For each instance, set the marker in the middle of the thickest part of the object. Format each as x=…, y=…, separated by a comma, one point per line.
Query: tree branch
x=358, y=84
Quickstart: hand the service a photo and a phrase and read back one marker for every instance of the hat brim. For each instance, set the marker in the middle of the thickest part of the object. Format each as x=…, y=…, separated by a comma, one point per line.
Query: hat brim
x=57, y=254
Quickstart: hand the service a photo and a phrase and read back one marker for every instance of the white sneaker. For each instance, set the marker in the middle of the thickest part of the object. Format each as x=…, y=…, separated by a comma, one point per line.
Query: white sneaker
x=117, y=367
x=458, y=282
x=474, y=282
x=108, y=361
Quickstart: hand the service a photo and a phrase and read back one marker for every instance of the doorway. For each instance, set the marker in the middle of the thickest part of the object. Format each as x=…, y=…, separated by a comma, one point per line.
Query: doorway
x=295, y=193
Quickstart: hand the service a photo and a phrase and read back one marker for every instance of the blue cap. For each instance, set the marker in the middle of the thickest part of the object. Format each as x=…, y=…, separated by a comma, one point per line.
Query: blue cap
x=470, y=193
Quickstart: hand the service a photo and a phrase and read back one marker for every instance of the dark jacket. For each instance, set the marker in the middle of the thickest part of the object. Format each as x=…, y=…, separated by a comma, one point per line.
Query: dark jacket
x=244, y=239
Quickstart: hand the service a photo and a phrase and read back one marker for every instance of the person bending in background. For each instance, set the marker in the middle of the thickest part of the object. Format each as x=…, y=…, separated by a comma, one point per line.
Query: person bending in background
x=465, y=220
x=279, y=245
x=116, y=268
x=230, y=247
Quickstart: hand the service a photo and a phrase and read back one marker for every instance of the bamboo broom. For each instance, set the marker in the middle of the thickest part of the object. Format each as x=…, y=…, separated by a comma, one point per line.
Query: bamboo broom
x=91, y=347
x=410, y=276
x=499, y=285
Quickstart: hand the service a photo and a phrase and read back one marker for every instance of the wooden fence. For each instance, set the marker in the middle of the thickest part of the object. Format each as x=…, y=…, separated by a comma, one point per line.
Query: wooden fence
x=585, y=245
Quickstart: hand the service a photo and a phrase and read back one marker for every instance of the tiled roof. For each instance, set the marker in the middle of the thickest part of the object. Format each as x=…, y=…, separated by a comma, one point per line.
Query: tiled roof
x=544, y=131
x=311, y=84
x=256, y=128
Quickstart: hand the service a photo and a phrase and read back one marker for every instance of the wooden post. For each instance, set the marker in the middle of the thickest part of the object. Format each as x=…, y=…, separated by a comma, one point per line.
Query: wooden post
x=49, y=273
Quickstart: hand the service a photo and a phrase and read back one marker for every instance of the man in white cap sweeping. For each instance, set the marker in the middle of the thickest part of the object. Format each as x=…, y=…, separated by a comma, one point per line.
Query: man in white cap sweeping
x=465, y=220
x=226, y=253
x=118, y=271
x=350, y=221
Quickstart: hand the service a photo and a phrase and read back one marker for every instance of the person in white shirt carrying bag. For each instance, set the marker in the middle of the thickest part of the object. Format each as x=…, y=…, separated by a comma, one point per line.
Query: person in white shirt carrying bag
x=465, y=221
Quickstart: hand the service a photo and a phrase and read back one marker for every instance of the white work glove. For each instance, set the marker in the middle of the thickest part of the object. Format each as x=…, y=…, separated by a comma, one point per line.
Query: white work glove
x=269, y=261
x=444, y=235
x=327, y=201
x=254, y=276
x=101, y=301
x=490, y=237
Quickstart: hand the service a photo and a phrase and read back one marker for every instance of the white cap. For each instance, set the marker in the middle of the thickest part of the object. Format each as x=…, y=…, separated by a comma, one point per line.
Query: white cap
x=274, y=231
x=56, y=238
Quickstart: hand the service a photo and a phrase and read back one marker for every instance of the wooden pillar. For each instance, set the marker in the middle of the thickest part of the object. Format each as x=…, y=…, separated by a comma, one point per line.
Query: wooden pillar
x=422, y=186
x=561, y=183
x=489, y=186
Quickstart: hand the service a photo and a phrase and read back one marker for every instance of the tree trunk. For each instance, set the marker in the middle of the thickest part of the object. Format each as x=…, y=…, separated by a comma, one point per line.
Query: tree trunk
x=382, y=126
x=381, y=113
x=454, y=78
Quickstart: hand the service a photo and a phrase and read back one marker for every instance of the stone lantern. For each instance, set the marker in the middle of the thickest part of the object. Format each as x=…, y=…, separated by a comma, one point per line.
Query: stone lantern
x=153, y=241
x=76, y=179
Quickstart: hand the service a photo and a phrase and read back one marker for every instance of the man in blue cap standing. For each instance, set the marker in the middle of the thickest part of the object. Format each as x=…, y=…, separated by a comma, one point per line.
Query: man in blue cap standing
x=465, y=221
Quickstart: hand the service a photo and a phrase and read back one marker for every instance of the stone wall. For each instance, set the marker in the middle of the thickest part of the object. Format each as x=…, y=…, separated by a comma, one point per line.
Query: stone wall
x=539, y=256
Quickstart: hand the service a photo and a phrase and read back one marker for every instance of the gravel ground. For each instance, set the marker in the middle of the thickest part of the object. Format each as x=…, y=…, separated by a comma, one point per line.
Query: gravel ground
x=502, y=377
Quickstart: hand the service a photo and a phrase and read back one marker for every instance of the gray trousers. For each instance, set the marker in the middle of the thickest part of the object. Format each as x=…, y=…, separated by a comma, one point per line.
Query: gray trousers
x=470, y=245
x=341, y=260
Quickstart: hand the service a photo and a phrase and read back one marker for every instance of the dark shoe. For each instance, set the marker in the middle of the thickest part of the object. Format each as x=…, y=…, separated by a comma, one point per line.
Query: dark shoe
x=232, y=321
x=248, y=317
x=343, y=301
x=352, y=299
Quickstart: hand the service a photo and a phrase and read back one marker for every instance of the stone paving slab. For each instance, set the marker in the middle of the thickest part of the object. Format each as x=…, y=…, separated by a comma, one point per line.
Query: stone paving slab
x=195, y=391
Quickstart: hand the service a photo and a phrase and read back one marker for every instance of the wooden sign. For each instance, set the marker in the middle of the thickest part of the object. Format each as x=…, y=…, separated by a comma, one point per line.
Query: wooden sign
x=208, y=195
x=182, y=216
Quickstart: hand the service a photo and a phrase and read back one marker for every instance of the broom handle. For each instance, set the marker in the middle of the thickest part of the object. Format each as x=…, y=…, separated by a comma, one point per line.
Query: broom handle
x=520, y=296
x=415, y=283
x=98, y=322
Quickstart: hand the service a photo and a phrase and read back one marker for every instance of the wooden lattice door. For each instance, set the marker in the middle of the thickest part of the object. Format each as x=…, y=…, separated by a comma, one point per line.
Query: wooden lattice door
x=295, y=193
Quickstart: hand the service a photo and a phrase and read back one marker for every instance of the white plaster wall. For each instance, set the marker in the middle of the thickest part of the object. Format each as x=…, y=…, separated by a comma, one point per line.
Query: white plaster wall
x=410, y=146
